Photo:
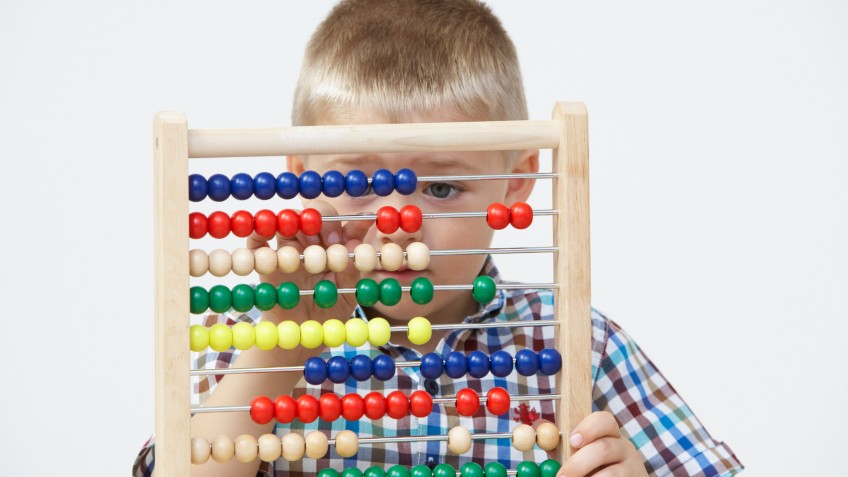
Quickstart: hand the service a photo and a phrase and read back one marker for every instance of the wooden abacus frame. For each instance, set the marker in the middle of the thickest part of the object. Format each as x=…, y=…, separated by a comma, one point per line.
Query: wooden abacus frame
x=175, y=144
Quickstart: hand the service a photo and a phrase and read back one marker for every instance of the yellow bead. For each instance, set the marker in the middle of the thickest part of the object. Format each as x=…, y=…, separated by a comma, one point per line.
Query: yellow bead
x=198, y=337
x=266, y=335
x=220, y=337
x=356, y=332
x=243, y=335
x=311, y=334
x=334, y=333
x=379, y=331
x=419, y=330
x=288, y=335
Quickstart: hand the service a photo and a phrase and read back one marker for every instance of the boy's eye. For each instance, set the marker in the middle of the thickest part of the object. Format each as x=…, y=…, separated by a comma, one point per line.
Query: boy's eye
x=441, y=190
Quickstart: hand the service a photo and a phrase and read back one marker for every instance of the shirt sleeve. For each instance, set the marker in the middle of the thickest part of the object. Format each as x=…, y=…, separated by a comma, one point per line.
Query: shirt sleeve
x=650, y=413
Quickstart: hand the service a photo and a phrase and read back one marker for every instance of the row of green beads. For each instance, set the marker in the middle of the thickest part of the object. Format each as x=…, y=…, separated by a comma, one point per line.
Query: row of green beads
x=548, y=468
x=388, y=291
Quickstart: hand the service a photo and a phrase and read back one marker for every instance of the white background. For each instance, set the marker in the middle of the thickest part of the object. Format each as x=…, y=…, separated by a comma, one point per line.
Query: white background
x=719, y=162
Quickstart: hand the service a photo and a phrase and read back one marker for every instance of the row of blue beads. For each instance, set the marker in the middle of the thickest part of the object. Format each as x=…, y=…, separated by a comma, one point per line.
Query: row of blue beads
x=477, y=364
x=338, y=369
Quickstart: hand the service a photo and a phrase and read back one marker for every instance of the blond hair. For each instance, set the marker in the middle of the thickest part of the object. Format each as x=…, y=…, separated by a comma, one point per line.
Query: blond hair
x=402, y=57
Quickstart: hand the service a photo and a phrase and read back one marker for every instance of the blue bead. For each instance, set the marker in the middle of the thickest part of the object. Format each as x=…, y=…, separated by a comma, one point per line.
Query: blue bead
x=310, y=184
x=287, y=185
x=550, y=361
x=501, y=363
x=432, y=366
x=315, y=370
x=334, y=183
x=406, y=182
x=356, y=183
x=338, y=369
x=219, y=187
x=456, y=364
x=383, y=182
x=526, y=362
x=264, y=185
x=478, y=364
x=361, y=367
x=241, y=186
x=198, y=188
x=384, y=367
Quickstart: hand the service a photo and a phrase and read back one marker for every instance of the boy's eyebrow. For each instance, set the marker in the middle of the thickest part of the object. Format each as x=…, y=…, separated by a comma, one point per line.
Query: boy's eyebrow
x=439, y=166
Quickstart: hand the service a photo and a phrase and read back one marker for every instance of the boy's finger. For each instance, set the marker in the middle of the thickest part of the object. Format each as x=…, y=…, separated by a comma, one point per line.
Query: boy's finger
x=599, y=453
x=356, y=230
x=255, y=241
x=331, y=232
x=595, y=426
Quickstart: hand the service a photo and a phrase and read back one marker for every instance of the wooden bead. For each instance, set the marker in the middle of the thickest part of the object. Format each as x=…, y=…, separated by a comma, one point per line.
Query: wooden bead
x=269, y=447
x=246, y=448
x=523, y=437
x=220, y=262
x=223, y=449
x=293, y=447
x=347, y=444
x=200, y=450
x=314, y=259
x=266, y=260
x=198, y=263
x=288, y=259
x=242, y=262
x=547, y=436
x=391, y=257
x=459, y=440
x=364, y=257
x=316, y=445
x=337, y=257
x=417, y=256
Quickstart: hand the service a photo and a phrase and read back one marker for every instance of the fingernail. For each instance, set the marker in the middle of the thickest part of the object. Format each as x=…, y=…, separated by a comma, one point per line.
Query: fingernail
x=575, y=440
x=333, y=238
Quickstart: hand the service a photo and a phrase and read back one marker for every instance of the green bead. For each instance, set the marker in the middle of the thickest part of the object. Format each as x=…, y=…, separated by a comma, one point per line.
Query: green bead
x=367, y=292
x=265, y=296
x=527, y=469
x=549, y=468
x=421, y=290
x=199, y=301
x=495, y=469
x=220, y=299
x=351, y=472
x=422, y=471
x=326, y=294
x=242, y=298
x=444, y=470
x=398, y=471
x=288, y=296
x=390, y=292
x=328, y=473
x=471, y=469
x=375, y=471
x=484, y=289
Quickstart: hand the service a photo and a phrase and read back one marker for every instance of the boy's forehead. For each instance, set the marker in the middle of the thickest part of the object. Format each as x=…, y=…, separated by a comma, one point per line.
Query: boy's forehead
x=459, y=163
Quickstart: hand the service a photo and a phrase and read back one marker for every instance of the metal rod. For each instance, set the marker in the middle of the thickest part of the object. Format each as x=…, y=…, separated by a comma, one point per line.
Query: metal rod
x=438, y=215
x=476, y=326
x=484, y=177
x=430, y=437
x=499, y=286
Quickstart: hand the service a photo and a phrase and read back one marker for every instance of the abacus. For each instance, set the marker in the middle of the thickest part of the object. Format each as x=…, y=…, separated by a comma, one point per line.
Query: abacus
x=174, y=144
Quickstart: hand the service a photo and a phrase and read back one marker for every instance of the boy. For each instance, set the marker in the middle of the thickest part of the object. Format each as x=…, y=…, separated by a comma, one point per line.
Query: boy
x=384, y=61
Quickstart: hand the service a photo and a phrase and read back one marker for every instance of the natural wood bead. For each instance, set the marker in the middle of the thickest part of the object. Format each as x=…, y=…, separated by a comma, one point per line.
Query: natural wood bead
x=316, y=445
x=198, y=263
x=269, y=447
x=200, y=450
x=364, y=257
x=459, y=440
x=523, y=437
x=246, y=448
x=266, y=260
x=293, y=447
x=223, y=449
x=547, y=436
x=220, y=262
x=314, y=259
x=391, y=257
x=347, y=444
x=417, y=256
x=288, y=259
x=242, y=262
x=337, y=257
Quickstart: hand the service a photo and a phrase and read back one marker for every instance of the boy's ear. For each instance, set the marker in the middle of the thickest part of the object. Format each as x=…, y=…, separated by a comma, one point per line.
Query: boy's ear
x=294, y=164
x=519, y=190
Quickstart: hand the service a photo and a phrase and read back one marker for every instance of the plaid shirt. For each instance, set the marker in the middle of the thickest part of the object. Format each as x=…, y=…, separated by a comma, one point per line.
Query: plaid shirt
x=649, y=411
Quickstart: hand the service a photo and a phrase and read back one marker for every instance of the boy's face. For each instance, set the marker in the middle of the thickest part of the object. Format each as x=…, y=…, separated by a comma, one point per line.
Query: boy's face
x=431, y=197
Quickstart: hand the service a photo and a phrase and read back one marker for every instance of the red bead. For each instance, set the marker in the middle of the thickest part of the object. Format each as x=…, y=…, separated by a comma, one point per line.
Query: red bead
x=521, y=215
x=497, y=216
x=265, y=223
x=497, y=401
x=285, y=409
x=420, y=403
x=197, y=224
x=410, y=218
x=242, y=223
x=262, y=410
x=388, y=220
x=353, y=407
x=219, y=224
x=330, y=407
x=310, y=222
x=307, y=408
x=467, y=402
x=288, y=223
x=397, y=405
x=375, y=405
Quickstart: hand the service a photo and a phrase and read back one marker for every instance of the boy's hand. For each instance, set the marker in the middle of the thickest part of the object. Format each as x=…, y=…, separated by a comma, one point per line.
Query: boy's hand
x=601, y=450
